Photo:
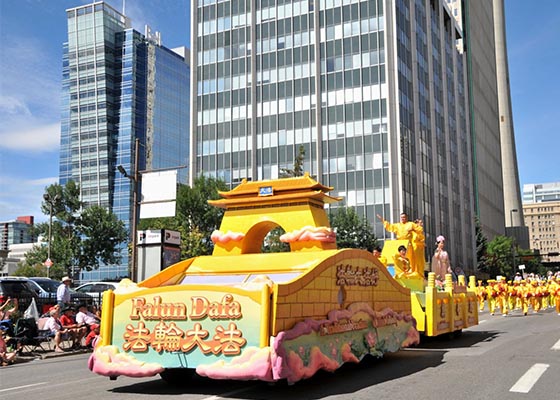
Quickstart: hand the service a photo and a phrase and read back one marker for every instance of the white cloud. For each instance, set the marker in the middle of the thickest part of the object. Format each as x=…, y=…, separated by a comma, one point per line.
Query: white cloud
x=29, y=96
x=31, y=138
x=23, y=197
x=30, y=80
x=13, y=106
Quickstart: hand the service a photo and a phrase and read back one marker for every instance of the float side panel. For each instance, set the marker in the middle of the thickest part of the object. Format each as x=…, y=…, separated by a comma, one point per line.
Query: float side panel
x=331, y=285
x=183, y=327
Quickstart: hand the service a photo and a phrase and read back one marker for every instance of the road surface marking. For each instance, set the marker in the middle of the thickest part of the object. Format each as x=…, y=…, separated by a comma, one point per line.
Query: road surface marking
x=228, y=394
x=481, y=322
x=556, y=346
x=22, y=387
x=526, y=382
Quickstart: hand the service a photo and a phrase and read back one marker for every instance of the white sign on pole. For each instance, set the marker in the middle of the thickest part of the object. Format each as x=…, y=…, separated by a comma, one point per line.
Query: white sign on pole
x=159, y=194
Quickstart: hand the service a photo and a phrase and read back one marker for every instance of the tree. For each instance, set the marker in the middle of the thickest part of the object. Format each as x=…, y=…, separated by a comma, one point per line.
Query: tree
x=30, y=270
x=500, y=257
x=195, y=219
x=532, y=261
x=351, y=230
x=82, y=237
x=481, y=246
x=272, y=243
x=298, y=166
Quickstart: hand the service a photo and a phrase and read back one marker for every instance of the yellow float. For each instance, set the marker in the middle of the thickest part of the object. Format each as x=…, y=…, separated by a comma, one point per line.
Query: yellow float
x=241, y=314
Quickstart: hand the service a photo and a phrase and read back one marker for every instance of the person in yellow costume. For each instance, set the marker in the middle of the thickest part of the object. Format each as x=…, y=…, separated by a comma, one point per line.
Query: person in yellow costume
x=555, y=290
x=414, y=233
x=501, y=299
x=492, y=295
x=524, y=296
x=419, y=245
x=536, y=299
x=544, y=294
x=377, y=254
x=403, y=266
x=481, y=294
x=514, y=295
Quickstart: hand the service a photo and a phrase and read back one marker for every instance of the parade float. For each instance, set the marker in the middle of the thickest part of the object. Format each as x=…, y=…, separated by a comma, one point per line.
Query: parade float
x=242, y=314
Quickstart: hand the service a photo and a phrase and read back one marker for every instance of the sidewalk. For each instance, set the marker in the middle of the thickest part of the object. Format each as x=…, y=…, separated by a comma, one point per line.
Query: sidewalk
x=42, y=355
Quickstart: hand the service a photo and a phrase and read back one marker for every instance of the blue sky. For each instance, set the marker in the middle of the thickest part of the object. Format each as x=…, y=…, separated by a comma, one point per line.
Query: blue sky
x=32, y=33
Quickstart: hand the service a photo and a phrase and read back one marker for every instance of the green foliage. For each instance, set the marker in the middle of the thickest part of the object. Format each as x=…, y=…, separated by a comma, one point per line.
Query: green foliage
x=298, y=166
x=194, y=243
x=500, y=256
x=81, y=236
x=195, y=219
x=532, y=261
x=30, y=270
x=351, y=230
x=481, y=245
x=98, y=230
x=272, y=243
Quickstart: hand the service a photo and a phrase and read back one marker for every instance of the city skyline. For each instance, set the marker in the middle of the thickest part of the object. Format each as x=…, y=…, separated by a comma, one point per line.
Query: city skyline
x=29, y=138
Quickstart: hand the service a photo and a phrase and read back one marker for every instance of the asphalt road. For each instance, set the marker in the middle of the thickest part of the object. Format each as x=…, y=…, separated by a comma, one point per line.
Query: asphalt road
x=502, y=358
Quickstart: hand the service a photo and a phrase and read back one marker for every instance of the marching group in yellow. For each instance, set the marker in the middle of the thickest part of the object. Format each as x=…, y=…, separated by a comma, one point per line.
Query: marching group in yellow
x=520, y=294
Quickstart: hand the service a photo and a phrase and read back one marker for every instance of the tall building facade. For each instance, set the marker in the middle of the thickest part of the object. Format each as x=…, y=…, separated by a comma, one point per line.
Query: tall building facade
x=496, y=178
x=15, y=232
x=375, y=91
x=483, y=101
x=541, y=211
x=118, y=86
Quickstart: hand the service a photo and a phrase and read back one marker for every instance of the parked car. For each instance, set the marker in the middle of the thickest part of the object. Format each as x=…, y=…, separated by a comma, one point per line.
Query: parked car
x=17, y=288
x=96, y=289
x=46, y=289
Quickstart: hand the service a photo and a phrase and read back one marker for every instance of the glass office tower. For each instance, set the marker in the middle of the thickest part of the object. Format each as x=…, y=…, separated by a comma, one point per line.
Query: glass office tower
x=373, y=90
x=118, y=86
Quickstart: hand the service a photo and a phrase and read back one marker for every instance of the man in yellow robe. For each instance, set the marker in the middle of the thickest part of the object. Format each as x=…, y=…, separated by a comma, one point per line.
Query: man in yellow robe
x=414, y=233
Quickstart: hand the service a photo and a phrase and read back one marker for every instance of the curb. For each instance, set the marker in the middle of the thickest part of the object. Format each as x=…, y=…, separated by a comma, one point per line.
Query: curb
x=54, y=354
x=27, y=357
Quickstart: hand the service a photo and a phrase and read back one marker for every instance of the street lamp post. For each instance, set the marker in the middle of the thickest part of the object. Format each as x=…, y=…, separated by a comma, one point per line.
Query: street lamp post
x=134, y=178
x=50, y=201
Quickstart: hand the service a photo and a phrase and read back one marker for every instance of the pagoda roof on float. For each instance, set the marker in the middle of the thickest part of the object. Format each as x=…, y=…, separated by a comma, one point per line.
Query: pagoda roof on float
x=275, y=191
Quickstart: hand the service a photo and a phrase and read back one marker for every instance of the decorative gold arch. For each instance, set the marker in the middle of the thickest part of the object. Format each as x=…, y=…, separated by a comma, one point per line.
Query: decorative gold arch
x=255, y=208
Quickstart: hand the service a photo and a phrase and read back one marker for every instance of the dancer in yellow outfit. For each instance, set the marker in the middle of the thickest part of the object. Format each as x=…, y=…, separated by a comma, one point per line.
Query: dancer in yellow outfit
x=536, y=300
x=544, y=294
x=414, y=233
x=556, y=294
x=524, y=297
x=502, y=298
x=513, y=297
x=481, y=294
x=492, y=294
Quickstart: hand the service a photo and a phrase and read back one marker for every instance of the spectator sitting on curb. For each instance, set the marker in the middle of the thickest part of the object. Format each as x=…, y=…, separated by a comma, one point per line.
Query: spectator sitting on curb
x=6, y=357
x=48, y=313
x=90, y=338
x=68, y=322
x=54, y=325
x=7, y=309
x=85, y=317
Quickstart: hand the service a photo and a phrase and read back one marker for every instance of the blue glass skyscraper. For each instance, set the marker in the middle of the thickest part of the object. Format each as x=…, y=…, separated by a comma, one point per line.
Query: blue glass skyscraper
x=118, y=86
